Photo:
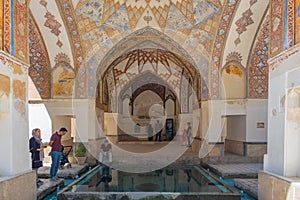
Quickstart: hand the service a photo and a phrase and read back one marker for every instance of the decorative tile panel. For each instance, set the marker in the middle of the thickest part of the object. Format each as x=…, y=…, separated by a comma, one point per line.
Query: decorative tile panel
x=7, y=26
x=67, y=10
x=220, y=40
x=258, y=69
x=297, y=21
x=277, y=29
x=39, y=69
x=291, y=10
x=1, y=23
x=21, y=31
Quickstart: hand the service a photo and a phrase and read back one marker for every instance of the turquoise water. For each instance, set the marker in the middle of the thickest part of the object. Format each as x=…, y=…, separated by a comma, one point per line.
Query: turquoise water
x=52, y=196
x=193, y=179
x=230, y=182
x=188, y=182
x=244, y=195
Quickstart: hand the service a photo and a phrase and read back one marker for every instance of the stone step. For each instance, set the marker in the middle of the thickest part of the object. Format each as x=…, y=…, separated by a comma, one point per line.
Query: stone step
x=232, y=159
x=48, y=187
x=248, y=185
x=247, y=170
x=44, y=172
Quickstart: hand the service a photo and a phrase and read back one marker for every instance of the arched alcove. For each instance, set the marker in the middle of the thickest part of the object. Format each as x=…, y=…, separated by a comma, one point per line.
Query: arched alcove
x=233, y=82
x=170, y=106
x=144, y=101
x=139, y=71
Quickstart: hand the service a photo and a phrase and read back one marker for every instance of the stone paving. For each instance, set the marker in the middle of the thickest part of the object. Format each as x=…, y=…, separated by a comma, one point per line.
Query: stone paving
x=248, y=185
x=246, y=170
x=44, y=172
x=48, y=187
x=230, y=158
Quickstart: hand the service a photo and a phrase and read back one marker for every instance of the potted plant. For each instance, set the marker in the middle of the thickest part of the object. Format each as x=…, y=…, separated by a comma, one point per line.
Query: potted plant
x=80, y=154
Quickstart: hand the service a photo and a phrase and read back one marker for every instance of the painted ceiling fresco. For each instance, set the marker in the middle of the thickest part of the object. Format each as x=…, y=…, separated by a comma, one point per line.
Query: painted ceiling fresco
x=86, y=32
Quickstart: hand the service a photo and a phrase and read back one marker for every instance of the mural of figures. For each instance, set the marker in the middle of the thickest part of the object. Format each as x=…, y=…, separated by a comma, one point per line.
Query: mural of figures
x=297, y=21
x=63, y=81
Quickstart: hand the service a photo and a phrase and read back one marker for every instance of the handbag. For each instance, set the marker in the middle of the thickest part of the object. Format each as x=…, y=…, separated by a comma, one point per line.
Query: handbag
x=37, y=163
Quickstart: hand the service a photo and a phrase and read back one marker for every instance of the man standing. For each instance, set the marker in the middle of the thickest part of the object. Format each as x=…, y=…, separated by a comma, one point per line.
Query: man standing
x=150, y=132
x=158, y=130
x=56, y=151
x=105, y=151
x=189, y=134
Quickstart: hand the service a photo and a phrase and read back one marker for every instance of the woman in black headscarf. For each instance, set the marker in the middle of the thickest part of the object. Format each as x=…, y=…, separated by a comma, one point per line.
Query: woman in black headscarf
x=37, y=153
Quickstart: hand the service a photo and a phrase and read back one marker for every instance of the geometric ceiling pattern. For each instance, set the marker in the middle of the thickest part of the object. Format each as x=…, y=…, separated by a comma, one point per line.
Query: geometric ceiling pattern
x=163, y=63
x=205, y=29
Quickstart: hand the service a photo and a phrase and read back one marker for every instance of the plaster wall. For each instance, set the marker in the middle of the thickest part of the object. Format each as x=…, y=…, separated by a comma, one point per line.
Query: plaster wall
x=111, y=124
x=40, y=118
x=292, y=125
x=275, y=126
x=254, y=111
x=282, y=157
x=62, y=121
x=236, y=127
x=62, y=111
x=13, y=117
x=233, y=85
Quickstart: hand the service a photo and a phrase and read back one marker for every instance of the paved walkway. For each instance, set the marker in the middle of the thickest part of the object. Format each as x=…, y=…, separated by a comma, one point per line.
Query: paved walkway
x=248, y=185
x=230, y=158
x=246, y=170
x=44, y=172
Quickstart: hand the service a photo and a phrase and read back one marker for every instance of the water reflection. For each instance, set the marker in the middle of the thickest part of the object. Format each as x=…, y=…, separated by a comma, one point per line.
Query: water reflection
x=106, y=179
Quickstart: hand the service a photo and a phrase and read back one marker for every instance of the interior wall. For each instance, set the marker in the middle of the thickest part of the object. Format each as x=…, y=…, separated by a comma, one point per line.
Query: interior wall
x=15, y=156
x=224, y=128
x=40, y=118
x=62, y=121
x=292, y=128
x=99, y=123
x=5, y=121
x=126, y=107
x=143, y=103
x=236, y=127
x=82, y=109
x=275, y=160
x=234, y=84
x=204, y=120
x=170, y=107
x=282, y=149
x=257, y=120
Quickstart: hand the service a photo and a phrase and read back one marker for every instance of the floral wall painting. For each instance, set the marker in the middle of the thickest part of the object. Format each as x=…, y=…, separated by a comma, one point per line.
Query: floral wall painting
x=4, y=94
x=63, y=81
x=297, y=21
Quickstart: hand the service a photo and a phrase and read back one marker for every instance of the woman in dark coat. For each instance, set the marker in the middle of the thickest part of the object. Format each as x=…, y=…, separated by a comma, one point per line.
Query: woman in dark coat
x=36, y=150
